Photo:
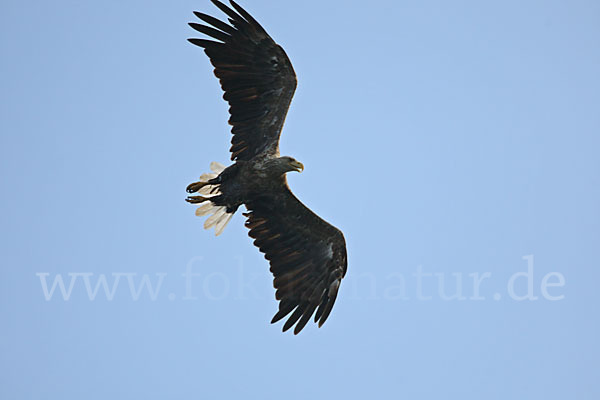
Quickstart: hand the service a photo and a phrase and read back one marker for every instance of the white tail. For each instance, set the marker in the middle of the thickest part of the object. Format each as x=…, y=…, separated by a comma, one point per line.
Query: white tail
x=219, y=216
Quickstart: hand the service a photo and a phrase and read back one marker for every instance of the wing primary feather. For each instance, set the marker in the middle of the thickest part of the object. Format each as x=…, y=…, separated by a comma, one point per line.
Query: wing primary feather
x=204, y=43
x=247, y=16
x=294, y=317
x=305, y=318
x=215, y=22
x=232, y=14
x=328, y=307
x=212, y=32
x=283, y=311
x=321, y=308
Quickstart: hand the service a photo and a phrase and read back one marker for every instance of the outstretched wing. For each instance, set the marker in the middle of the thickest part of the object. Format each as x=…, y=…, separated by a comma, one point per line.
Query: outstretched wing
x=256, y=75
x=307, y=256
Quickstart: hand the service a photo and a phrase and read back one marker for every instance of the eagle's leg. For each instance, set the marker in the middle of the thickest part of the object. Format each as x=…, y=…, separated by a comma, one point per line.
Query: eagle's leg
x=196, y=199
x=194, y=187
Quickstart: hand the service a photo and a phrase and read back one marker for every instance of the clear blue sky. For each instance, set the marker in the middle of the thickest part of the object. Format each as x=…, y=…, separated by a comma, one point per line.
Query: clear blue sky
x=449, y=138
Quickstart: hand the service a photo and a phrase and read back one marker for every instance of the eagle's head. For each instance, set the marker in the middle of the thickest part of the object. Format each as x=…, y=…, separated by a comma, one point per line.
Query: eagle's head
x=287, y=164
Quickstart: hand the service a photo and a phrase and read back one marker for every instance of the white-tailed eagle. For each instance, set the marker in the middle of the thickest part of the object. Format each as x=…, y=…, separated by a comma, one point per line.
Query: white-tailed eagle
x=307, y=255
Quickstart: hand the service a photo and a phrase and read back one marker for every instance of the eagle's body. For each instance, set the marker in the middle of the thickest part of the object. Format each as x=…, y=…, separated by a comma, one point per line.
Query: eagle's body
x=307, y=255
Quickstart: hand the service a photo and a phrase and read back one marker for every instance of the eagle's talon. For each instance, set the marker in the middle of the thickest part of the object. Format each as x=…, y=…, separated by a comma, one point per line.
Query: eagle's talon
x=196, y=199
x=194, y=187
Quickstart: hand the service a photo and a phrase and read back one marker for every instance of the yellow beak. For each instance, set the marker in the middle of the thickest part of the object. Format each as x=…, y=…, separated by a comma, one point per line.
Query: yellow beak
x=298, y=166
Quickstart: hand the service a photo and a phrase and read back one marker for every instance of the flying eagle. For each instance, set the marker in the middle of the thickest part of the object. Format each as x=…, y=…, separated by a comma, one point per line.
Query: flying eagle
x=307, y=255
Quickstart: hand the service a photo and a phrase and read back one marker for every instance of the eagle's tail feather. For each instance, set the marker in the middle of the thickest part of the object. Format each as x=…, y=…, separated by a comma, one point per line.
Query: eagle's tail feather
x=219, y=217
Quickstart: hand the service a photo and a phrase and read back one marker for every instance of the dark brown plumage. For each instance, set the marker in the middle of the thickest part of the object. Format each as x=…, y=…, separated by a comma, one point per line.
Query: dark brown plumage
x=256, y=75
x=307, y=255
